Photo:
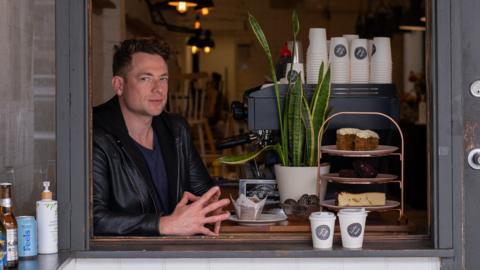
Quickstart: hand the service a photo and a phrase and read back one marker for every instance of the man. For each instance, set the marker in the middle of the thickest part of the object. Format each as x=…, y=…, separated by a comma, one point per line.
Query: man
x=148, y=179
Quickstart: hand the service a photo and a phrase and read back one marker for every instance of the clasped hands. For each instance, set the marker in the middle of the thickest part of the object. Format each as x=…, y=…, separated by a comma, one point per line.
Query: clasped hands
x=192, y=213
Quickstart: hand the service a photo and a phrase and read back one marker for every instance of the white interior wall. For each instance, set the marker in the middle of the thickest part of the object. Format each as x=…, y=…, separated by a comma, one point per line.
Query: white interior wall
x=108, y=30
x=222, y=60
x=413, y=57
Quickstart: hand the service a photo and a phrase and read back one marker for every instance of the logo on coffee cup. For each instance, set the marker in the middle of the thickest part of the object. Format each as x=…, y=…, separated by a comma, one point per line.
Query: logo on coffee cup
x=322, y=232
x=360, y=53
x=292, y=75
x=340, y=50
x=354, y=229
x=374, y=49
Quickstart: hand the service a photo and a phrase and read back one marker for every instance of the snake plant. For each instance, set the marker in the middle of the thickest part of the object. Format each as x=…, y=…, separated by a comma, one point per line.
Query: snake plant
x=300, y=121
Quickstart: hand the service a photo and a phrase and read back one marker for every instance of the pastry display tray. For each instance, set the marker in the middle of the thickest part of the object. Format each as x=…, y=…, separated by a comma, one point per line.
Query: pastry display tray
x=380, y=179
x=330, y=204
x=382, y=150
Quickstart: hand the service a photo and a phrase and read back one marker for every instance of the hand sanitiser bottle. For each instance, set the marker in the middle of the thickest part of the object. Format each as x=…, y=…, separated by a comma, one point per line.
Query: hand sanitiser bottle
x=47, y=222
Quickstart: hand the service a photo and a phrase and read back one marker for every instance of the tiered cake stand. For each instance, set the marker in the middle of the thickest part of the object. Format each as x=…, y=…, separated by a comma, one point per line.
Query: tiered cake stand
x=381, y=178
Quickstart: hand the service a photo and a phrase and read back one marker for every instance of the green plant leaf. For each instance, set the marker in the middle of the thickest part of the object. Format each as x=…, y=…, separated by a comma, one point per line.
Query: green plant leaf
x=295, y=125
x=320, y=105
x=309, y=155
x=241, y=159
x=296, y=30
x=317, y=88
x=257, y=30
x=286, y=130
x=295, y=24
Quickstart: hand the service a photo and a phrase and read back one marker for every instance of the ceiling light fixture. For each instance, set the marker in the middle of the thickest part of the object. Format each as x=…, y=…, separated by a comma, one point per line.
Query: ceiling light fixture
x=195, y=41
x=194, y=49
x=197, y=24
x=182, y=6
x=204, y=7
x=207, y=44
x=204, y=11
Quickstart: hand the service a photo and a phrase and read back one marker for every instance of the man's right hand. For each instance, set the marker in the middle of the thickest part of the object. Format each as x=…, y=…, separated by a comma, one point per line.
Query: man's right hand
x=190, y=219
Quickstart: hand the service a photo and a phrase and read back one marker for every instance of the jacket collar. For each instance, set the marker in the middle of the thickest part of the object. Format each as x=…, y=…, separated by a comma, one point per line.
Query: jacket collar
x=109, y=117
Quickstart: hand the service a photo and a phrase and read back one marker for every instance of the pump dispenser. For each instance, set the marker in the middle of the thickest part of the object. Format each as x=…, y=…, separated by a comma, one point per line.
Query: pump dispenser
x=46, y=193
x=47, y=220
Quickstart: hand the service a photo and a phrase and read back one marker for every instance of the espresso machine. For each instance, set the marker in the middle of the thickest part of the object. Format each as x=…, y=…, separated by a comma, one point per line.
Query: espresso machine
x=260, y=111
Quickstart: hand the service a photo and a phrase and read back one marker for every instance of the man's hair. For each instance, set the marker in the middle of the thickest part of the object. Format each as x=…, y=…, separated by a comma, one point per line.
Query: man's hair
x=122, y=59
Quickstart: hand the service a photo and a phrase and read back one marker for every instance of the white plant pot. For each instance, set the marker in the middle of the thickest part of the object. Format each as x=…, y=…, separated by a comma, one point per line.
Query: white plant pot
x=293, y=182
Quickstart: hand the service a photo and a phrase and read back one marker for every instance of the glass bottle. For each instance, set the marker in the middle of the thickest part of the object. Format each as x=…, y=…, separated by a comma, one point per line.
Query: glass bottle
x=10, y=224
x=3, y=245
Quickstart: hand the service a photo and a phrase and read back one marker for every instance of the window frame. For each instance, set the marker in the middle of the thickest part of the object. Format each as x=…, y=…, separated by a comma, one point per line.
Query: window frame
x=74, y=131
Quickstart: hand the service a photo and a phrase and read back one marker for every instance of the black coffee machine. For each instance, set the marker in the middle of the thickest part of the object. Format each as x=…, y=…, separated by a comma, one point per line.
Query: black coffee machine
x=260, y=110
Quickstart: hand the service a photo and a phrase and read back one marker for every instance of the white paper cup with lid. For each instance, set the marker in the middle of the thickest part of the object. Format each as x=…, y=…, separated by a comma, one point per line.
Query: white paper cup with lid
x=352, y=227
x=322, y=225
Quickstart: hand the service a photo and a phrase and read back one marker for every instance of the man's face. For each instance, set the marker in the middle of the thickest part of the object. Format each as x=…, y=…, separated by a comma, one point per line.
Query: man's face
x=144, y=90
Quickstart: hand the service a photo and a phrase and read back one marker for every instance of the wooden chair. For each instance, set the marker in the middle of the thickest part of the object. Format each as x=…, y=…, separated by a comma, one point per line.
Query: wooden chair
x=189, y=101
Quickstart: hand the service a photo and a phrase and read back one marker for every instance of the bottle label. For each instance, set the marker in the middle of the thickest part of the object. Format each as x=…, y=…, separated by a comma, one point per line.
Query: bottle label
x=6, y=202
x=12, y=245
x=3, y=249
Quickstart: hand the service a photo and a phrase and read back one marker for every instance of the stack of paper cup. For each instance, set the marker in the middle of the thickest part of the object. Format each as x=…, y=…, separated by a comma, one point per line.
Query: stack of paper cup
x=352, y=227
x=359, y=64
x=316, y=54
x=350, y=37
x=381, y=61
x=339, y=60
x=322, y=225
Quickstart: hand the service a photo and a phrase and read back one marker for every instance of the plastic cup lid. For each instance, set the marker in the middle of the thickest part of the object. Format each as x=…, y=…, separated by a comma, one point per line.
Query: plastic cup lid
x=352, y=211
x=322, y=215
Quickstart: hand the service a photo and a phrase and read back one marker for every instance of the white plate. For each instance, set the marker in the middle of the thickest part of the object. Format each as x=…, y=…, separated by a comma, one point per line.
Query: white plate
x=381, y=150
x=330, y=204
x=265, y=219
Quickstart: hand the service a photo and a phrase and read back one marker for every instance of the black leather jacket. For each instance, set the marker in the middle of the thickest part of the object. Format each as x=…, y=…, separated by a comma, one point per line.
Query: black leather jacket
x=124, y=198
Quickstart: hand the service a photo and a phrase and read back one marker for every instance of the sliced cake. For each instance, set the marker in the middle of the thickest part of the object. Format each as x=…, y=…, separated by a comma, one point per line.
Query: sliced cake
x=361, y=199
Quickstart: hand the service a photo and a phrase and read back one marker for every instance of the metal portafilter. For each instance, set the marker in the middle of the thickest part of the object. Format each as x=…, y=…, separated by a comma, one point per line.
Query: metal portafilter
x=258, y=137
x=231, y=142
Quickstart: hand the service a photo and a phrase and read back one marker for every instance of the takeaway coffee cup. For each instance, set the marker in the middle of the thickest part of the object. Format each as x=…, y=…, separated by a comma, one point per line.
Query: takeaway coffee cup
x=293, y=72
x=322, y=225
x=352, y=227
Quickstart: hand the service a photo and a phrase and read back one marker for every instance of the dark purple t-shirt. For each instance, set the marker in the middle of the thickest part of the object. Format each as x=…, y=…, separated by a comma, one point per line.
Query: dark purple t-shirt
x=156, y=165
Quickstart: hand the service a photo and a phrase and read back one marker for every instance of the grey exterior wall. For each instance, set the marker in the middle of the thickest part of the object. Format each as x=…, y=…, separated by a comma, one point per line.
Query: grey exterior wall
x=27, y=98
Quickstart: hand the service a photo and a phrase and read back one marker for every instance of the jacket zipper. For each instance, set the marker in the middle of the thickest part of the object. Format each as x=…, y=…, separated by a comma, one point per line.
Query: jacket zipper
x=178, y=167
x=130, y=179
